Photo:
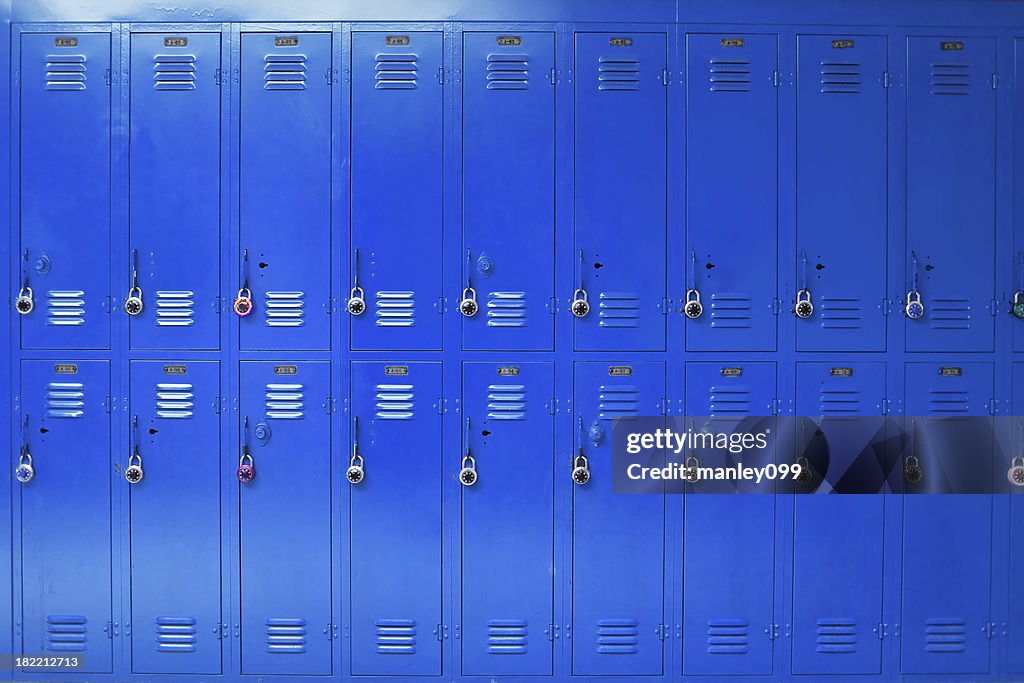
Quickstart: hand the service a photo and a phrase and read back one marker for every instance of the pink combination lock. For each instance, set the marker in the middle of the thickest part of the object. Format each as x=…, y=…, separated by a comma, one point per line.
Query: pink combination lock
x=246, y=472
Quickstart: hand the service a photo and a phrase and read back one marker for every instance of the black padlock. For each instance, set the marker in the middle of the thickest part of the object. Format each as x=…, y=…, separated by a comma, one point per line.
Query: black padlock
x=912, y=471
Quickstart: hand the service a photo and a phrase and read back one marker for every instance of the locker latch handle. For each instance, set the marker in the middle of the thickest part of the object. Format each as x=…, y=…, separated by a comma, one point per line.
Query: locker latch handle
x=133, y=302
x=580, y=304
x=355, y=472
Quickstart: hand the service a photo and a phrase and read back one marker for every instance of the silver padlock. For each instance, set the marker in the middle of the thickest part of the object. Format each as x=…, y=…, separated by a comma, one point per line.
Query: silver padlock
x=24, y=303
x=467, y=475
x=580, y=305
x=355, y=472
x=803, y=308
x=468, y=305
x=356, y=301
x=580, y=469
x=133, y=304
x=24, y=472
x=915, y=307
x=691, y=469
x=912, y=471
x=133, y=473
x=693, y=308
x=806, y=474
x=1016, y=472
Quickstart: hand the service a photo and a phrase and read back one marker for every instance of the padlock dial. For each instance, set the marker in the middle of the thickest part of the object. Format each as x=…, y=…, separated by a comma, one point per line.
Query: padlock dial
x=581, y=475
x=243, y=306
x=467, y=476
x=1016, y=475
x=804, y=309
x=24, y=305
x=24, y=473
x=133, y=305
x=133, y=473
x=580, y=308
x=355, y=474
x=468, y=307
x=356, y=305
x=1018, y=310
x=693, y=310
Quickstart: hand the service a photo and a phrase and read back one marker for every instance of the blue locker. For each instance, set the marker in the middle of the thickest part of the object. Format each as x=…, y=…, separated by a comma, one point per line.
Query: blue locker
x=951, y=126
x=285, y=184
x=841, y=212
x=729, y=588
x=1016, y=608
x=732, y=190
x=395, y=520
x=285, y=518
x=508, y=184
x=175, y=517
x=65, y=512
x=1018, y=193
x=838, y=539
x=617, y=606
x=174, y=208
x=947, y=539
x=397, y=153
x=65, y=189
x=618, y=258
x=507, y=520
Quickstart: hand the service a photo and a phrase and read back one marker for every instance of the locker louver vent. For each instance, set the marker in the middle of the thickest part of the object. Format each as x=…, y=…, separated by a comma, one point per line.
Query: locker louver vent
x=942, y=402
x=174, y=72
x=840, y=402
x=619, y=309
x=396, y=636
x=728, y=636
x=66, y=633
x=951, y=79
x=506, y=402
x=841, y=313
x=285, y=309
x=396, y=309
x=618, y=401
x=507, y=637
x=175, y=308
x=841, y=77
x=175, y=401
x=618, y=73
x=65, y=72
x=175, y=634
x=508, y=72
x=729, y=75
x=396, y=72
x=286, y=636
x=836, y=636
x=950, y=314
x=506, y=309
x=945, y=635
x=285, y=401
x=65, y=399
x=729, y=400
x=730, y=310
x=284, y=72
x=65, y=307
x=395, y=401
x=618, y=637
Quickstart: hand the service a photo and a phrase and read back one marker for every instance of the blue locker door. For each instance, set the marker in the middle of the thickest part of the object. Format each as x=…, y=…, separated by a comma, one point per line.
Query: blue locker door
x=175, y=517
x=951, y=126
x=507, y=519
x=732, y=190
x=285, y=186
x=620, y=186
x=841, y=191
x=837, y=539
x=728, y=588
x=397, y=150
x=947, y=539
x=508, y=184
x=285, y=518
x=1016, y=611
x=175, y=189
x=65, y=512
x=617, y=606
x=65, y=189
x=395, y=520
x=1018, y=194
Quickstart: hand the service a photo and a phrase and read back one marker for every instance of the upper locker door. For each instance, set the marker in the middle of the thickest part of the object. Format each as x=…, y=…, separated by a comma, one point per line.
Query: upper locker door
x=397, y=150
x=617, y=607
x=65, y=190
x=947, y=539
x=285, y=186
x=951, y=126
x=837, y=539
x=1018, y=194
x=65, y=512
x=175, y=517
x=619, y=256
x=285, y=517
x=174, y=207
x=395, y=520
x=508, y=519
x=841, y=191
x=732, y=190
x=508, y=185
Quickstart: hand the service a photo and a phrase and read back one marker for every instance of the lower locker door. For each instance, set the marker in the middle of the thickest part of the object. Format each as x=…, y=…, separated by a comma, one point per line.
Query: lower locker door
x=1016, y=650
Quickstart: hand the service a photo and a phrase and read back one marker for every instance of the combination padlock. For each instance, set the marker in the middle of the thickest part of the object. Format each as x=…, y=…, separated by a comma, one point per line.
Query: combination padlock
x=133, y=473
x=806, y=474
x=914, y=308
x=467, y=475
x=803, y=308
x=1016, y=472
x=693, y=308
x=246, y=471
x=580, y=306
x=1018, y=305
x=355, y=472
x=691, y=469
x=24, y=303
x=912, y=471
x=243, y=302
x=133, y=304
x=356, y=301
x=580, y=469
x=24, y=472
x=468, y=305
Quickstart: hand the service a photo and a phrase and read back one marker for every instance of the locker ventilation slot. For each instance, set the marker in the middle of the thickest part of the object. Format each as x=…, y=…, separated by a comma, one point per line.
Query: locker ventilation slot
x=507, y=637
x=618, y=73
x=951, y=79
x=729, y=75
x=730, y=311
x=943, y=402
x=285, y=309
x=174, y=309
x=840, y=402
x=65, y=633
x=396, y=309
x=728, y=636
x=396, y=636
x=506, y=402
x=838, y=313
x=841, y=77
x=175, y=401
x=175, y=634
x=65, y=308
x=836, y=636
x=508, y=72
x=284, y=72
x=506, y=309
x=618, y=401
x=285, y=401
x=396, y=72
x=395, y=401
x=618, y=637
x=286, y=636
x=729, y=400
x=950, y=314
x=174, y=72
x=65, y=399
x=65, y=72
x=945, y=635
x=619, y=309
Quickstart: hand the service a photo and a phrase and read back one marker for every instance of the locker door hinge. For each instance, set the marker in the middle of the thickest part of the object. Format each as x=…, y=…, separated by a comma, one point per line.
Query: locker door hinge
x=552, y=405
x=218, y=405
x=666, y=78
x=441, y=631
x=886, y=406
x=886, y=79
x=329, y=76
x=990, y=629
x=776, y=406
x=772, y=631
x=107, y=76
x=776, y=306
x=440, y=75
x=108, y=403
x=109, y=629
x=663, y=631
x=218, y=301
x=776, y=78
x=885, y=306
x=329, y=406
x=440, y=405
x=663, y=406
x=664, y=305
x=551, y=632
x=440, y=305
x=993, y=407
x=331, y=631
x=995, y=81
x=553, y=76
x=552, y=305
x=993, y=307
x=880, y=631
x=329, y=305
x=216, y=76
